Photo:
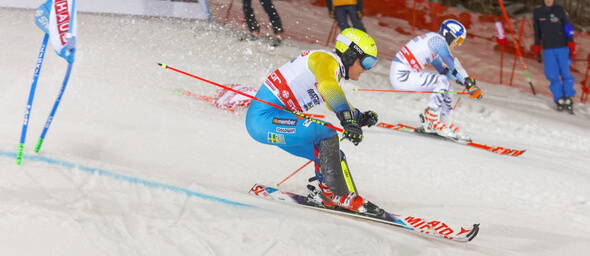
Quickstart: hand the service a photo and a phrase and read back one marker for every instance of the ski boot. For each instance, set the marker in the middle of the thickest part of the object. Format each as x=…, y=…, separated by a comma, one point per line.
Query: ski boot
x=252, y=36
x=560, y=104
x=569, y=105
x=430, y=121
x=276, y=41
x=352, y=202
x=453, y=132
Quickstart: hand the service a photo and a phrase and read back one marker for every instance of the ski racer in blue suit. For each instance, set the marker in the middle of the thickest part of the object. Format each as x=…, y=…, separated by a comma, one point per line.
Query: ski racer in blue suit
x=313, y=78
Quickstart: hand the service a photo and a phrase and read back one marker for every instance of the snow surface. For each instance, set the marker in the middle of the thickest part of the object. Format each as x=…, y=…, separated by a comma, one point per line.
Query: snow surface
x=127, y=168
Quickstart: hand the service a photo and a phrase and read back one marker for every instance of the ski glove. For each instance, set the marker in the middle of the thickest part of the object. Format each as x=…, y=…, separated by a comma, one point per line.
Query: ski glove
x=572, y=46
x=367, y=118
x=446, y=72
x=359, y=14
x=332, y=14
x=474, y=91
x=352, y=131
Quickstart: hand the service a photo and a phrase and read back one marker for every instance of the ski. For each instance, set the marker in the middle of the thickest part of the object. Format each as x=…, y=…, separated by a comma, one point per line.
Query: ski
x=213, y=101
x=198, y=96
x=432, y=228
x=494, y=149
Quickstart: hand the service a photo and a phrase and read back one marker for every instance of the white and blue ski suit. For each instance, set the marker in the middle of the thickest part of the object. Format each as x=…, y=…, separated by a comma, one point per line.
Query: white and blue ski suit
x=407, y=70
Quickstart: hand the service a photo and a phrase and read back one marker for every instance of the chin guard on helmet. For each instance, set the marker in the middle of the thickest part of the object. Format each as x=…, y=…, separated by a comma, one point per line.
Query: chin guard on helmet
x=348, y=57
x=449, y=38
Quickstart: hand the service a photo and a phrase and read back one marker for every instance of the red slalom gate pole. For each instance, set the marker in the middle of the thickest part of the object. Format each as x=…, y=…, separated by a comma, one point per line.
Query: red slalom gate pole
x=254, y=98
x=332, y=33
x=586, y=84
x=436, y=11
x=228, y=11
x=501, y=61
x=517, y=46
x=519, y=40
x=377, y=90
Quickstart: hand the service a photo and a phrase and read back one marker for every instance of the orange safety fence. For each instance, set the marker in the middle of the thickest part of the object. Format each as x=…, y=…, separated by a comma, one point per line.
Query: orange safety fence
x=392, y=23
x=585, y=84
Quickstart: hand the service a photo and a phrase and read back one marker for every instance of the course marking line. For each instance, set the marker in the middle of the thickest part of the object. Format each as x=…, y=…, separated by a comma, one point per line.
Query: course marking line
x=125, y=178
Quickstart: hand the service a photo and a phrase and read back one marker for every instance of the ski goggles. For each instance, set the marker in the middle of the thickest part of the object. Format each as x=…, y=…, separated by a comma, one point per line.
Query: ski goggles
x=459, y=40
x=368, y=61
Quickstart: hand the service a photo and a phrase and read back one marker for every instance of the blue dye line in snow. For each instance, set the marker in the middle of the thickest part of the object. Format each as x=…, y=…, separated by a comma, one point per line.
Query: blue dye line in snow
x=124, y=178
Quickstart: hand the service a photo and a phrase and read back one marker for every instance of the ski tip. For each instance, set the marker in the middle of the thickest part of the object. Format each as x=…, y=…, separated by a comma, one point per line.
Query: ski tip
x=520, y=153
x=473, y=232
x=162, y=65
x=355, y=89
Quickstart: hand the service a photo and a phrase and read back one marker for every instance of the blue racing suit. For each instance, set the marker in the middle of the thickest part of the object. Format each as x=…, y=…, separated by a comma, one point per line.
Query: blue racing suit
x=312, y=78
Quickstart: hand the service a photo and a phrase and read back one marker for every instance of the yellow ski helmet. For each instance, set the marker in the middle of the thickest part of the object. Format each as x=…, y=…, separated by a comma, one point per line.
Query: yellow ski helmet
x=354, y=43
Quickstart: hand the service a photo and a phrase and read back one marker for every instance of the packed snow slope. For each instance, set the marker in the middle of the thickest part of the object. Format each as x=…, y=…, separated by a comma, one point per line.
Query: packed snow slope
x=128, y=168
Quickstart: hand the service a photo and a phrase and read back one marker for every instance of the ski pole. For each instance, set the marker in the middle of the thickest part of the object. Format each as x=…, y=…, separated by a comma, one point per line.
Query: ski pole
x=457, y=103
x=254, y=98
x=378, y=90
x=278, y=184
x=21, y=145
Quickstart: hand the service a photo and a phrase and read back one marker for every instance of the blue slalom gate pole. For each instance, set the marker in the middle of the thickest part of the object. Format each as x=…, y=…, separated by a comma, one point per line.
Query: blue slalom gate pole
x=21, y=145
x=55, y=105
x=67, y=53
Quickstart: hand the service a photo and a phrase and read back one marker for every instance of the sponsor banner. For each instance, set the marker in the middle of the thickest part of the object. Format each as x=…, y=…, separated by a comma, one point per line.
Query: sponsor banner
x=57, y=18
x=191, y=9
x=62, y=27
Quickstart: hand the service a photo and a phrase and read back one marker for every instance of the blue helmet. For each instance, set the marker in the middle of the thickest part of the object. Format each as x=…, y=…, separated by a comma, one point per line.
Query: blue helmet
x=453, y=31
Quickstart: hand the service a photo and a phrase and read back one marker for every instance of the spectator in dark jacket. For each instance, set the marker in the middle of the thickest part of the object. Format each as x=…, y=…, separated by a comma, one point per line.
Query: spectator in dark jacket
x=273, y=15
x=555, y=35
x=342, y=9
